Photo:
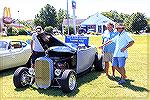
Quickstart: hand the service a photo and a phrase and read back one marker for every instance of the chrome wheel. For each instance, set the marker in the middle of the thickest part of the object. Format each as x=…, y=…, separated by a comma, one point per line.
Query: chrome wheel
x=72, y=81
x=69, y=81
x=25, y=80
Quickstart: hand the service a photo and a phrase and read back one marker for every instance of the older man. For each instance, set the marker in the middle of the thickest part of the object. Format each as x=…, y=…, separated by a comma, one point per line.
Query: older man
x=123, y=41
x=109, y=49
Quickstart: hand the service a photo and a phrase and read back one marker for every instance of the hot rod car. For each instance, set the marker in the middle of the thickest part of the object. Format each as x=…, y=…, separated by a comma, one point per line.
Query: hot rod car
x=61, y=65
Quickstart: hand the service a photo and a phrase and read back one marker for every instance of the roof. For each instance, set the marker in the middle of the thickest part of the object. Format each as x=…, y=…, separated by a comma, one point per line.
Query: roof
x=8, y=40
x=78, y=22
x=17, y=25
x=97, y=18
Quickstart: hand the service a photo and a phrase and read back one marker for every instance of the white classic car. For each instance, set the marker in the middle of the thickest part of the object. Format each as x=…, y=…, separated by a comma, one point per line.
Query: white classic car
x=14, y=53
x=61, y=65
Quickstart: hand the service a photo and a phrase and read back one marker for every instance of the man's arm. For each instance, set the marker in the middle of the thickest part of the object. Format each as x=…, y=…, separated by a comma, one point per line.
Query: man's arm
x=31, y=45
x=108, y=42
x=129, y=45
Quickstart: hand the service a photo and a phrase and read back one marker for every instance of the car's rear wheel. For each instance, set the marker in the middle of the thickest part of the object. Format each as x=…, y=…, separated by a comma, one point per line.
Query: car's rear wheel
x=68, y=81
x=21, y=77
x=98, y=66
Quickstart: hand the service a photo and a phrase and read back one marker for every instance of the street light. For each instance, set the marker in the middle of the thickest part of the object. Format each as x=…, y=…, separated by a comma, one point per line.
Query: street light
x=18, y=19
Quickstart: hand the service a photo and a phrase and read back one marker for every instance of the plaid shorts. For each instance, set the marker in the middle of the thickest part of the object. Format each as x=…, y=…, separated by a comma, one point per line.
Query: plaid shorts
x=107, y=57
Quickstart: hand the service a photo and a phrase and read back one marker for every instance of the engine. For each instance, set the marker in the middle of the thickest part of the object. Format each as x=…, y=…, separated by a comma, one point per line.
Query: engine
x=60, y=67
x=62, y=57
x=63, y=63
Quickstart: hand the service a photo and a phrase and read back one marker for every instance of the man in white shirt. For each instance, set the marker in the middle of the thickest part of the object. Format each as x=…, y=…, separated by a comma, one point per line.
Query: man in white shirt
x=122, y=41
x=36, y=47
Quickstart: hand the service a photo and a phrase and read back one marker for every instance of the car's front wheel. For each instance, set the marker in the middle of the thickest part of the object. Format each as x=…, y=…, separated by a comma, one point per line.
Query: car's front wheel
x=21, y=77
x=68, y=81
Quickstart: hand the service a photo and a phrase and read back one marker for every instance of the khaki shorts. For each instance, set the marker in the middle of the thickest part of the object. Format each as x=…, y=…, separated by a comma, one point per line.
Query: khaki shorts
x=107, y=57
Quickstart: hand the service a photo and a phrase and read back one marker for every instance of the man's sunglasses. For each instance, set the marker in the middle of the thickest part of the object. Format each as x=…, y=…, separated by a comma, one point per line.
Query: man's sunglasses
x=119, y=28
x=38, y=30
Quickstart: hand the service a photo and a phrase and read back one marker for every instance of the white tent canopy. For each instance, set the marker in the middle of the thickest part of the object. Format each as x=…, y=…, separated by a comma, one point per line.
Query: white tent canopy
x=97, y=19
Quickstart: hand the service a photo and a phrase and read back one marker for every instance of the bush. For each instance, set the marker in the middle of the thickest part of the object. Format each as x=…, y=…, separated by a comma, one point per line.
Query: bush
x=49, y=29
x=9, y=31
x=22, y=31
x=148, y=29
x=71, y=30
x=12, y=31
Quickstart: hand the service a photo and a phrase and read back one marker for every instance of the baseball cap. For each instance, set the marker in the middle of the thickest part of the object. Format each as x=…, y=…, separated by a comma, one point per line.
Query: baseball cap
x=38, y=27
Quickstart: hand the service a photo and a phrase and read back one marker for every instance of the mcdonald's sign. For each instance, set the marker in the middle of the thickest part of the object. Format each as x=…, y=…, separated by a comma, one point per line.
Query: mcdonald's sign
x=7, y=16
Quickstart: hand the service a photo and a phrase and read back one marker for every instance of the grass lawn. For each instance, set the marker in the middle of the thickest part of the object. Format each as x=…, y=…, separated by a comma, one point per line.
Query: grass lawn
x=94, y=85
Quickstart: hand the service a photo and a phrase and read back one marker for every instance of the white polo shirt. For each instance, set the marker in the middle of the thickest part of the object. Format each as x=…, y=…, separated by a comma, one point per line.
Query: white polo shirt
x=36, y=44
x=121, y=41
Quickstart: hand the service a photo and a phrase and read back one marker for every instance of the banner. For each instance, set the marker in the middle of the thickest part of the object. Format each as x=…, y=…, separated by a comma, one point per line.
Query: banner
x=77, y=40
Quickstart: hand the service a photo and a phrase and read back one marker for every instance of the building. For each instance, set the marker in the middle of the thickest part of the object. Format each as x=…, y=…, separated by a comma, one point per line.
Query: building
x=1, y=25
x=78, y=23
x=96, y=22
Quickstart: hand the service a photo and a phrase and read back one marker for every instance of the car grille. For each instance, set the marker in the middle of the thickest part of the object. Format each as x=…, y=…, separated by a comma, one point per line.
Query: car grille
x=42, y=73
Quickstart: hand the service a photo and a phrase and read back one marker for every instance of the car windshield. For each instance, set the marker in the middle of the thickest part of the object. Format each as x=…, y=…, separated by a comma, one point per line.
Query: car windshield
x=3, y=45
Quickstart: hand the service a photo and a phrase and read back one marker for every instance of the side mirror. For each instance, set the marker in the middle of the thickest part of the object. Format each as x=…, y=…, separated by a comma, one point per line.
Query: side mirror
x=28, y=41
x=9, y=47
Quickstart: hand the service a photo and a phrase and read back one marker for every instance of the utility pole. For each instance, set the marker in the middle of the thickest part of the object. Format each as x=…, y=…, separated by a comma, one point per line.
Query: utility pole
x=68, y=18
x=74, y=17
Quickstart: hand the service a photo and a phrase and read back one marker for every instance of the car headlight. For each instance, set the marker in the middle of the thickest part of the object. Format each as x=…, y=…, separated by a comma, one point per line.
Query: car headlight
x=57, y=72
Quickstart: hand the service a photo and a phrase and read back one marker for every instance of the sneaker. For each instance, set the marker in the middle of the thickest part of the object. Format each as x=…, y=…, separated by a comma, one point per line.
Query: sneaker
x=122, y=81
x=123, y=77
x=113, y=76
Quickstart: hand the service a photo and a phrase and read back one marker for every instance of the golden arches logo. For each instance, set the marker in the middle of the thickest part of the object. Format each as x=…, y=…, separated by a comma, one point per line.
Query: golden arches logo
x=7, y=12
x=7, y=16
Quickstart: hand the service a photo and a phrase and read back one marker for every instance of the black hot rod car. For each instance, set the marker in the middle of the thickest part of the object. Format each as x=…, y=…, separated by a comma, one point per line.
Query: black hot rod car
x=61, y=65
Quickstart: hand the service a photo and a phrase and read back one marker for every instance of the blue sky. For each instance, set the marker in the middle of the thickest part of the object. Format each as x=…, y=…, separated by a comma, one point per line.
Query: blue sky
x=29, y=8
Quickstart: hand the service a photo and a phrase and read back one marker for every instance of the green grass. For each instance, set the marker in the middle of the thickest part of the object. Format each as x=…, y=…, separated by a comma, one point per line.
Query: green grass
x=94, y=85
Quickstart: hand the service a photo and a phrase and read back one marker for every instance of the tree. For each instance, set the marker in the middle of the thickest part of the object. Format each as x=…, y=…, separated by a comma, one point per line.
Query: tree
x=27, y=26
x=71, y=31
x=134, y=23
x=108, y=15
x=61, y=15
x=46, y=17
x=112, y=15
x=49, y=29
x=115, y=16
x=138, y=22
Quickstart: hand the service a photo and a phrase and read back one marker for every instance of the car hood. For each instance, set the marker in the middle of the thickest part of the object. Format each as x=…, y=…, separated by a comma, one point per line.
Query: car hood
x=47, y=40
x=3, y=51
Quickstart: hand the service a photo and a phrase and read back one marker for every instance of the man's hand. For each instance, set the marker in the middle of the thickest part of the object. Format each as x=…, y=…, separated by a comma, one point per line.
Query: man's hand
x=101, y=47
x=123, y=49
x=108, y=42
x=129, y=45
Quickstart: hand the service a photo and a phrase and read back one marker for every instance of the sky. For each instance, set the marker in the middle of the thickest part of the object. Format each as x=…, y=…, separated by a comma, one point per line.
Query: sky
x=27, y=9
